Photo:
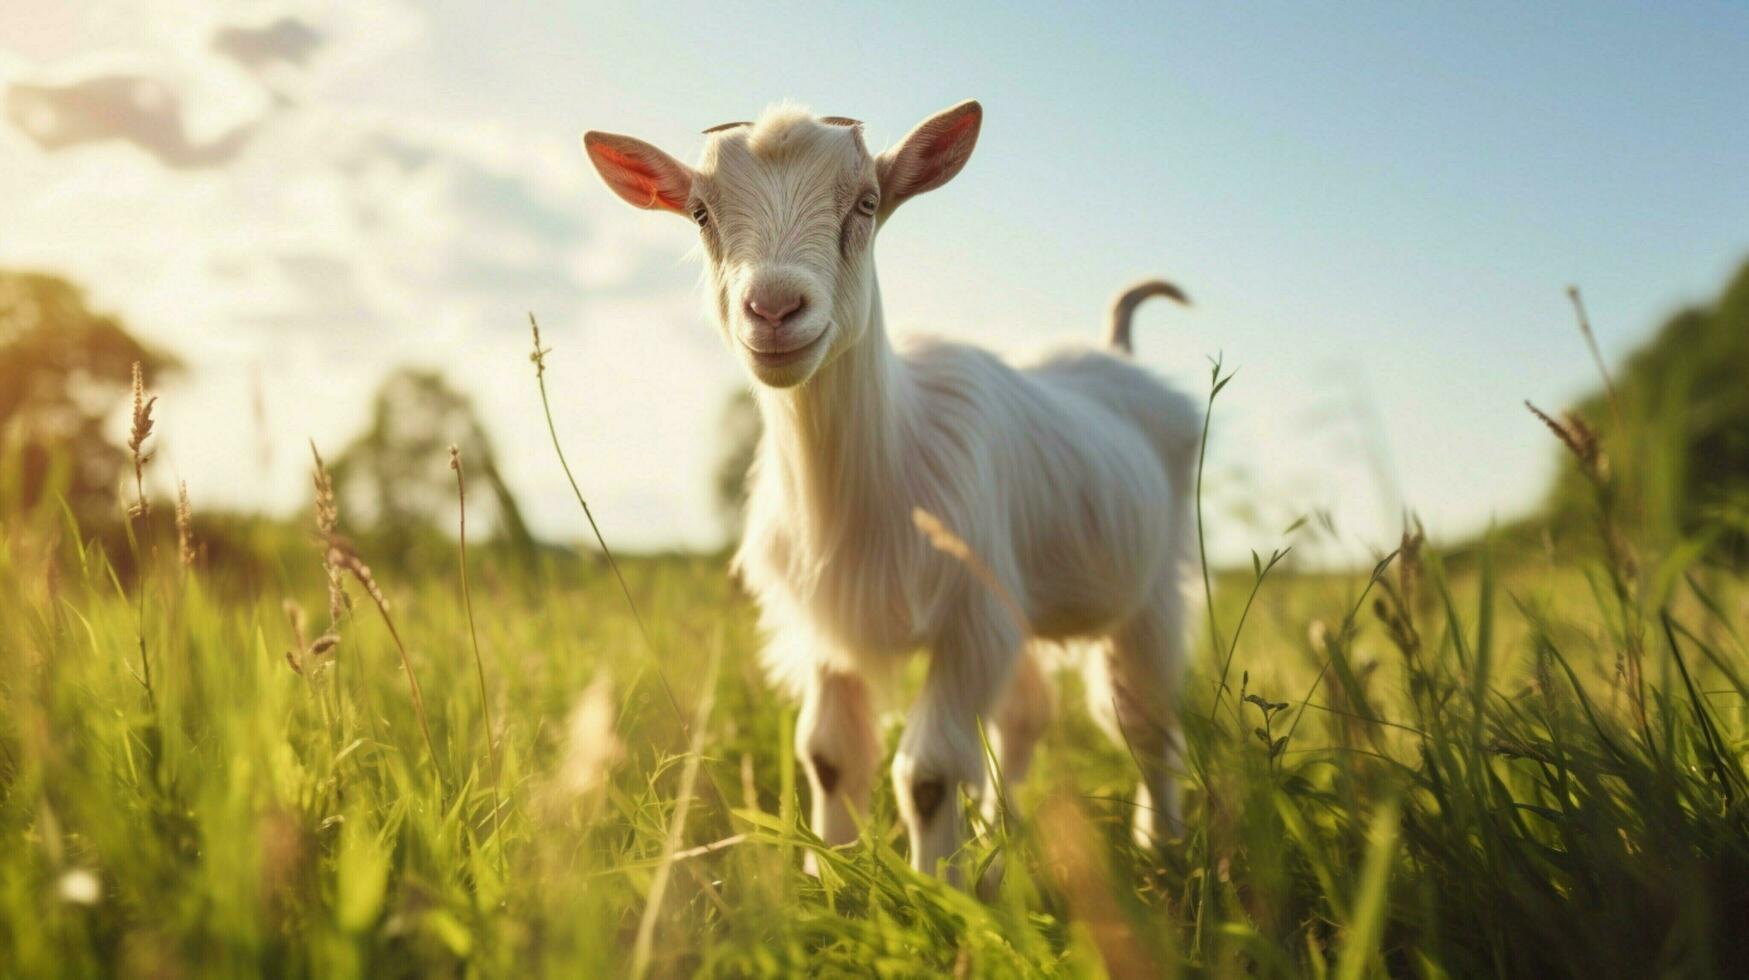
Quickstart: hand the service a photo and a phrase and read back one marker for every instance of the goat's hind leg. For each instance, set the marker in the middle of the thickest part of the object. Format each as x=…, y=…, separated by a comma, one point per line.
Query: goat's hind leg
x=1133, y=685
x=1025, y=713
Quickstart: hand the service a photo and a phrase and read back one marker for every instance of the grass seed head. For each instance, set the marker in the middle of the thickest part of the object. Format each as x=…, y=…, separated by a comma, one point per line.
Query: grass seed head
x=341, y=555
x=184, y=526
x=142, y=417
x=294, y=615
x=1409, y=561
x=327, y=512
x=138, y=433
x=539, y=354
x=328, y=527
x=1579, y=439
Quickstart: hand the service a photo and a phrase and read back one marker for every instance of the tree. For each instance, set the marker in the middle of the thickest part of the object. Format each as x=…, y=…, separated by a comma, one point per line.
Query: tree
x=741, y=429
x=65, y=370
x=394, y=478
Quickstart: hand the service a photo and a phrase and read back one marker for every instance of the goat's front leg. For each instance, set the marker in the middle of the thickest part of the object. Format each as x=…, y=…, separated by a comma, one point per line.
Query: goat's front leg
x=969, y=668
x=840, y=750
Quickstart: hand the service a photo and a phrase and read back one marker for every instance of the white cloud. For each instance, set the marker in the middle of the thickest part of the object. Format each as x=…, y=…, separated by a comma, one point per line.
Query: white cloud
x=346, y=239
x=364, y=226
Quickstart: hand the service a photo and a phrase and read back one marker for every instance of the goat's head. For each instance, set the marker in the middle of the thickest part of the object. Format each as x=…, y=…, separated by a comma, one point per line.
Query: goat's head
x=787, y=208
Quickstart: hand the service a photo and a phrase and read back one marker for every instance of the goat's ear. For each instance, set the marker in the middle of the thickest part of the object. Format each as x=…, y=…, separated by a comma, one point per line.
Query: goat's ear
x=638, y=172
x=929, y=155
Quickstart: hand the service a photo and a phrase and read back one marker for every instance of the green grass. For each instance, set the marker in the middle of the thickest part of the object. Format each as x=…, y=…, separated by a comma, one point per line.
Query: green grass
x=1484, y=797
x=1528, y=763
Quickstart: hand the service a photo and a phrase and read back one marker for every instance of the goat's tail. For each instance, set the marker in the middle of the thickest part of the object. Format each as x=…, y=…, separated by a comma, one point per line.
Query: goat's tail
x=1124, y=307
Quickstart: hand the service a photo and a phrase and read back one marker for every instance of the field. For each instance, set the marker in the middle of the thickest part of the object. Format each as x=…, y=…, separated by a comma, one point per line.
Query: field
x=1519, y=760
x=328, y=670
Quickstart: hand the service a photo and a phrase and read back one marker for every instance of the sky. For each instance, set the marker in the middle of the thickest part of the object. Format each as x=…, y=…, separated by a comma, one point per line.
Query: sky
x=1376, y=208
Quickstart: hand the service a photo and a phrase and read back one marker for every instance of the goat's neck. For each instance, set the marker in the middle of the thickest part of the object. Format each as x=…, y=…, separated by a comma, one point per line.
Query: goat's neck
x=839, y=438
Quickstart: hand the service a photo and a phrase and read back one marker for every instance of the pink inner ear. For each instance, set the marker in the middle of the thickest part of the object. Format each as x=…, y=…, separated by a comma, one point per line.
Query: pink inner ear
x=948, y=148
x=932, y=154
x=949, y=137
x=636, y=179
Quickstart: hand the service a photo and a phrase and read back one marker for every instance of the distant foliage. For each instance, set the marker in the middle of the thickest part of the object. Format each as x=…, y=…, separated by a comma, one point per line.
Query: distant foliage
x=65, y=372
x=1681, y=445
x=741, y=429
x=394, y=478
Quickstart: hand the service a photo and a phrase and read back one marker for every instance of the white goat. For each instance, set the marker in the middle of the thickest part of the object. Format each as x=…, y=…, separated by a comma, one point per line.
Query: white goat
x=1068, y=474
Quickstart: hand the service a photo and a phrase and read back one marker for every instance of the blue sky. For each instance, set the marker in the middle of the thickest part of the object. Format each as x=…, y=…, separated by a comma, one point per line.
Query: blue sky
x=1376, y=207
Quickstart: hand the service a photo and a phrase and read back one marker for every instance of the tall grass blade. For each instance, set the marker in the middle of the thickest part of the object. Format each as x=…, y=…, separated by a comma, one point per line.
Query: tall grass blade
x=1360, y=946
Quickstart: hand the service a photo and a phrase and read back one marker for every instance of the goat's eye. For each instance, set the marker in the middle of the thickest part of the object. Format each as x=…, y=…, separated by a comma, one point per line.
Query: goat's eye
x=701, y=215
x=868, y=203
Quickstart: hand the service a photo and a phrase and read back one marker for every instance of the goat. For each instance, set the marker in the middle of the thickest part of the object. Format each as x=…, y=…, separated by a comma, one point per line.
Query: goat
x=1067, y=473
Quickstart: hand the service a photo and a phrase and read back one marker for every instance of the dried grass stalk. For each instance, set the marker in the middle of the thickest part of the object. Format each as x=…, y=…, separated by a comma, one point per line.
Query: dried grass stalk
x=1075, y=865
x=644, y=943
x=339, y=555
x=461, y=498
x=948, y=543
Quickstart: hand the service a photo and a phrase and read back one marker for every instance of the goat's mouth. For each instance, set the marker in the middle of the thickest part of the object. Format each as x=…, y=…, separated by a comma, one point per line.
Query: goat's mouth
x=785, y=358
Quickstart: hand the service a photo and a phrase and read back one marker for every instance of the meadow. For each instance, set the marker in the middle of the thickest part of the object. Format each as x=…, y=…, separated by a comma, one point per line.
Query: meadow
x=1523, y=757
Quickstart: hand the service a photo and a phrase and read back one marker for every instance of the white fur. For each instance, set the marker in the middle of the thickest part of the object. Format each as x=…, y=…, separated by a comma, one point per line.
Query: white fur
x=1069, y=473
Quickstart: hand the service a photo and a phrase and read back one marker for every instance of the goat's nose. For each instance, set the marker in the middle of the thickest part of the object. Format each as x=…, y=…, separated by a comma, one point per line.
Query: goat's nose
x=773, y=305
